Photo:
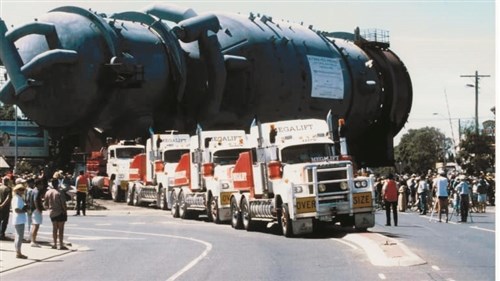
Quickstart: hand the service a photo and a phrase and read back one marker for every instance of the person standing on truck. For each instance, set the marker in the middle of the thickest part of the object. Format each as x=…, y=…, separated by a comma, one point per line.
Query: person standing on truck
x=390, y=195
x=82, y=188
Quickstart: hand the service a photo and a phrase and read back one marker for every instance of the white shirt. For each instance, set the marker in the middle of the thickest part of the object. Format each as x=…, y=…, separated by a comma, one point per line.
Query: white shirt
x=441, y=185
x=422, y=186
x=18, y=203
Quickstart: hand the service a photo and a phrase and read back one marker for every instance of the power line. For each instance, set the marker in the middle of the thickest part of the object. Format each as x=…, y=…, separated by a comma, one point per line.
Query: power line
x=476, y=87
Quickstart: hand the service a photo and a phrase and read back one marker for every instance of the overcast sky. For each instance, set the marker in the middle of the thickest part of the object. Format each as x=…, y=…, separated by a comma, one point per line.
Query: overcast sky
x=437, y=40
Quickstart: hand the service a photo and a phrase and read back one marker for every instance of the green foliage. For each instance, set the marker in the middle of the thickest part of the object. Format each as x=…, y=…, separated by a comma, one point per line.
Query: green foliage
x=420, y=149
x=6, y=112
x=24, y=167
x=477, y=152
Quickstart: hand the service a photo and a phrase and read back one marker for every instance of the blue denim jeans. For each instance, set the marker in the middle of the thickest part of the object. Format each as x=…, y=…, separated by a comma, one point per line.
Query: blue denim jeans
x=18, y=241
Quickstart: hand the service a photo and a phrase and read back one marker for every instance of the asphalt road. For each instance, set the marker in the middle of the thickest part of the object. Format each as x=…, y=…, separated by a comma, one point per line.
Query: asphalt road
x=134, y=243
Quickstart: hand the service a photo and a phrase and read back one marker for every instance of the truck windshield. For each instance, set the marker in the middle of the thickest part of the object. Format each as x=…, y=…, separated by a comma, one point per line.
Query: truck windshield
x=227, y=157
x=128, y=152
x=307, y=153
x=173, y=156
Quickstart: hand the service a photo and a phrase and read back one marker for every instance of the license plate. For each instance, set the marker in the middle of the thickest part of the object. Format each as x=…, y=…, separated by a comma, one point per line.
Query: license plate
x=225, y=198
x=362, y=200
x=306, y=205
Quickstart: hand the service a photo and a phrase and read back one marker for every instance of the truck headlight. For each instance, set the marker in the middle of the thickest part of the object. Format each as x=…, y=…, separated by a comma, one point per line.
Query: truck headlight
x=322, y=187
x=344, y=185
x=361, y=184
x=297, y=189
x=225, y=185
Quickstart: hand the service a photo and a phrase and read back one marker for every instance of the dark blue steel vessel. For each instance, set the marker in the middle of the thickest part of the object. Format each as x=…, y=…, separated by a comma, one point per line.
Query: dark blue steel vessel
x=85, y=76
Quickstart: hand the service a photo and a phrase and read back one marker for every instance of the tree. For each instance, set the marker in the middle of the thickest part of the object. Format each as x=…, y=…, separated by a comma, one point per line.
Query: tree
x=420, y=149
x=6, y=112
x=477, y=152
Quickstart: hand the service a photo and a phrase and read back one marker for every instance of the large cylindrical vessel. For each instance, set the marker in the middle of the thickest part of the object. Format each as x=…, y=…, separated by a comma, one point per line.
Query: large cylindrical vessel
x=79, y=72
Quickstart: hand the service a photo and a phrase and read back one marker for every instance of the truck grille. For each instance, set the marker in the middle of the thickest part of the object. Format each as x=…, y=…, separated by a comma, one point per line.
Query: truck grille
x=330, y=178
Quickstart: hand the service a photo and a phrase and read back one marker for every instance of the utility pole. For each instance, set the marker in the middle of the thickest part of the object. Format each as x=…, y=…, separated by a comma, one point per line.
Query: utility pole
x=476, y=87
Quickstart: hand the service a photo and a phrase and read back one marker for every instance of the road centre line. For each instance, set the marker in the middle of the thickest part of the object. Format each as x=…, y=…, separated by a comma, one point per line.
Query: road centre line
x=382, y=276
x=484, y=229
x=208, y=247
x=435, y=267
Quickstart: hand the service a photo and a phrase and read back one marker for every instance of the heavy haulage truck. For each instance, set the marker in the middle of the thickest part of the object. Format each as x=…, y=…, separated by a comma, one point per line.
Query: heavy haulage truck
x=153, y=171
x=108, y=168
x=201, y=177
x=297, y=177
x=118, y=159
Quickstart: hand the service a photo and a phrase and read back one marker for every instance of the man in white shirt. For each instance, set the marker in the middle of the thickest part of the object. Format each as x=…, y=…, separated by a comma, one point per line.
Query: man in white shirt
x=441, y=186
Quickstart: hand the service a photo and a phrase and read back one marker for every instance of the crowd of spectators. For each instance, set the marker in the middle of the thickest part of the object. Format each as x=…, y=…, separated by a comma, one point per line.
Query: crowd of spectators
x=464, y=193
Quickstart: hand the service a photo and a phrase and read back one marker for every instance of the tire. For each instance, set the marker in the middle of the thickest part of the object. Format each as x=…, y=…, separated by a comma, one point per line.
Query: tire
x=285, y=222
x=183, y=211
x=246, y=216
x=213, y=210
x=130, y=198
x=175, y=204
x=236, y=222
x=135, y=197
x=163, y=200
x=115, y=193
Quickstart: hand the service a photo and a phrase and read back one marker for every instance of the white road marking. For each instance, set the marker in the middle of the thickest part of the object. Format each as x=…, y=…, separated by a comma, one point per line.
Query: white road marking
x=435, y=267
x=480, y=228
x=345, y=243
x=137, y=223
x=193, y=262
x=208, y=247
x=381, y=276
x=102, y=224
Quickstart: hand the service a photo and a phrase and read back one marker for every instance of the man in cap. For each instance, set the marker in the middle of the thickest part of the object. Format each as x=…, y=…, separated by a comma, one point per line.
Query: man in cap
x=19, y=209
x=463, y=190
x=5, y=200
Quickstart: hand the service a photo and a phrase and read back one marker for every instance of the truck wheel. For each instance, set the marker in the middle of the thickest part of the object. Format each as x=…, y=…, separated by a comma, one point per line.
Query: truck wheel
x=115, y=193
x=163, y=199
x=183, y=212
x=175, y=204
x=246, y=217
x=135, y=196
x=235, y=215
x=129, y=198
x=285, y=222
x=213, y=210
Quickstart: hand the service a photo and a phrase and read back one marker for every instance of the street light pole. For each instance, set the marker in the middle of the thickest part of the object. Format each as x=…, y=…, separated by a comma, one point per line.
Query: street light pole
x=476, y=86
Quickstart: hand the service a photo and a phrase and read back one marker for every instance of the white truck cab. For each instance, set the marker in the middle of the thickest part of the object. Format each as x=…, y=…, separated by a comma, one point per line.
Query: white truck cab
x=198, y=185
x=296, y=177
x=119, y=157
x=154, y=170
